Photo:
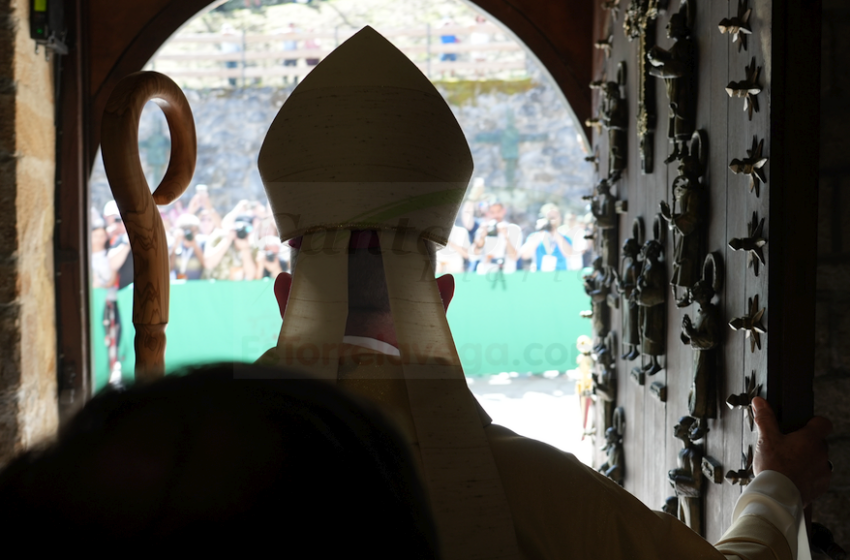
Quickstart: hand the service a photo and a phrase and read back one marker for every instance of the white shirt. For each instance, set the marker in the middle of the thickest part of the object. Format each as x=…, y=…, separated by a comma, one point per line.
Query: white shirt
x=448, y=259
x=773, y=497
x=496, y=248
x=371, y=344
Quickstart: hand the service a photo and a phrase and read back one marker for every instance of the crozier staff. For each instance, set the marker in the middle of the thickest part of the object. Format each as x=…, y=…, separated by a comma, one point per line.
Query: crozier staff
x=137, y=205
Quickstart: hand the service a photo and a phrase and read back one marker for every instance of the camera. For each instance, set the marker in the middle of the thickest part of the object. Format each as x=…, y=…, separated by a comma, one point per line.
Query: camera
x=492, y=228
x=188, y=234
x=271, y=256
x=243, y=228
x=544, y=224
x=243, y=231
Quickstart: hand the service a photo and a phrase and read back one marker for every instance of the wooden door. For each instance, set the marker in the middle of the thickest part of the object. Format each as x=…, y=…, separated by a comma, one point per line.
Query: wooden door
x=783, y=50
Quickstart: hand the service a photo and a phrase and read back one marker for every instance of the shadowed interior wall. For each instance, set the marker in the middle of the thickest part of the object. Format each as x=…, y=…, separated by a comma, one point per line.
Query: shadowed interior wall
x=28, y=409
x=832, y=334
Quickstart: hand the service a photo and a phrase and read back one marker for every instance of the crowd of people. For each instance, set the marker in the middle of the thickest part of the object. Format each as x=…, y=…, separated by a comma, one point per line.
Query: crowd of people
x=243, y=244
x=486, y=239
x=202, y=244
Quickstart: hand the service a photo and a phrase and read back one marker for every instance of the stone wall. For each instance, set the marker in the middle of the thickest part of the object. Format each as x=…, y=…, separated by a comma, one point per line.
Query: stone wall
x=28, y=411
x=523, y=140
x=832, y=361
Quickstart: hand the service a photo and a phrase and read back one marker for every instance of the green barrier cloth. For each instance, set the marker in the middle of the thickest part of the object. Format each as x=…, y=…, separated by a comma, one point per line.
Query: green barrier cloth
x=521, y=322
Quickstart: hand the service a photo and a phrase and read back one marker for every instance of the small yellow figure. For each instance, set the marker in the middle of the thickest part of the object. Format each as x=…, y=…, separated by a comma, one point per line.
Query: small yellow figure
x=584, y=378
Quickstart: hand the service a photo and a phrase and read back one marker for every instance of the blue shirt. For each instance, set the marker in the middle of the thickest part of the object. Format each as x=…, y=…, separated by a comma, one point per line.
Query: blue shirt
x=561, y=263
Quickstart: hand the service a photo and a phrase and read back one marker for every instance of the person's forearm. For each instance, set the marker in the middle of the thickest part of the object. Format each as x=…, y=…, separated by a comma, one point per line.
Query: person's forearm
x=510, y=249
x=773, y=498
x=460, y=250
x=565, y=247
x=259, y=266
x=108, y=283
x=214, y=255
x=198, y=253
x=467, y=218
x=229, y=219
x=274, y=271
x=215, y=217
x=118, y=256
x=249, y=268
x=528, y=249
x=477, y=248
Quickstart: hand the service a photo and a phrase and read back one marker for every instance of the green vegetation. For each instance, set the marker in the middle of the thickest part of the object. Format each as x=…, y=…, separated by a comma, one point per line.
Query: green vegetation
x=463, y=92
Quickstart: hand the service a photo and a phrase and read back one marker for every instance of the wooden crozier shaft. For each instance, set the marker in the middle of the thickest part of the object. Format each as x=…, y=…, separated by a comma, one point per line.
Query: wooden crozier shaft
x=137, y=205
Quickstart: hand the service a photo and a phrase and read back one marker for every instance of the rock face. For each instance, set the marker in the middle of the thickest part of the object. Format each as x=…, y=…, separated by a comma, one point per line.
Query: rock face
x=28, y=410
x=523, y=140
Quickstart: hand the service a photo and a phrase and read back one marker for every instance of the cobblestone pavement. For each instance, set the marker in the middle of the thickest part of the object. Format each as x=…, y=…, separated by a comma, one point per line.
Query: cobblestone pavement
x=542, y=407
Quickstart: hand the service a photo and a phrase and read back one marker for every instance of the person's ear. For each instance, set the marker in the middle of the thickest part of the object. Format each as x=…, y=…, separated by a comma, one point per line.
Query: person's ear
x=282, y=284
x=446, y=285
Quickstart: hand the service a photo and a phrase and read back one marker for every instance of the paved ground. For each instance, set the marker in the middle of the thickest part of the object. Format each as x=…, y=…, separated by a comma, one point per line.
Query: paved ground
x=536, y=406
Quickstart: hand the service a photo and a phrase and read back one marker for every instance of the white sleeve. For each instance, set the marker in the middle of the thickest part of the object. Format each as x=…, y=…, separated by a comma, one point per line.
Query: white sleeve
x=460, y=237
x=773, y=497
x=515, y=235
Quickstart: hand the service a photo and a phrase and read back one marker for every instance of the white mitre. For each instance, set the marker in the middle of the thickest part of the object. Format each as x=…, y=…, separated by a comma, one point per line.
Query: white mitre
x=366, y=142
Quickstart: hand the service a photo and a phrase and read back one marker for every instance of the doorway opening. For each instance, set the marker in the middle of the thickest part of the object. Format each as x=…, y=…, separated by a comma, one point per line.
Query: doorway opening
x=515, y=320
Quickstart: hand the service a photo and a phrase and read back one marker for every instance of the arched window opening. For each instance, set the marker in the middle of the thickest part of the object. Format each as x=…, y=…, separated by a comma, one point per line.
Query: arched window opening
x=515, y=320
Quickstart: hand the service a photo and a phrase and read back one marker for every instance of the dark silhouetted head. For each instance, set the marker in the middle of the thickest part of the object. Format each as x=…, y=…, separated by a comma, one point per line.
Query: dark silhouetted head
x=225, y=457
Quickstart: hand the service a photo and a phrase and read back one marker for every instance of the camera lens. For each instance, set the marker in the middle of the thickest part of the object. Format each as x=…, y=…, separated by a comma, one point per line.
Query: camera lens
x=271, y=256
x=242, y=229
x=188, y=234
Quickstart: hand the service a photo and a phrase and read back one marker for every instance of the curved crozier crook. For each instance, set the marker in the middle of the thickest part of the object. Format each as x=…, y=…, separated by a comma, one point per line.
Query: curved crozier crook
x=137, y=205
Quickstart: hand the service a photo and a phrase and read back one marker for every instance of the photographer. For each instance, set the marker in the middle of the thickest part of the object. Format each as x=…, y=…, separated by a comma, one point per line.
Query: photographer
x=119, y=253
x=200, y=204
x=102, y=275
x=186, y=255
x=272, y=258
x=119, y=260
x=548, y=246
x=228, y=254
x=452, y=258
x=496, y=245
